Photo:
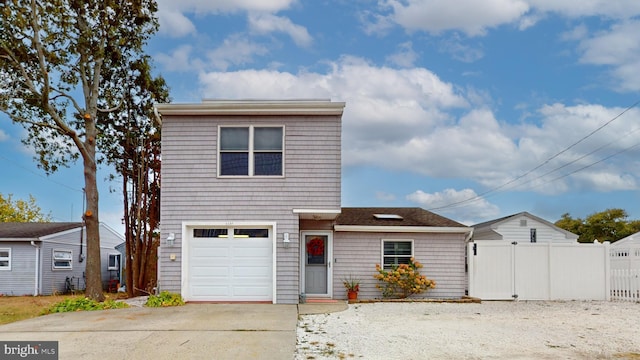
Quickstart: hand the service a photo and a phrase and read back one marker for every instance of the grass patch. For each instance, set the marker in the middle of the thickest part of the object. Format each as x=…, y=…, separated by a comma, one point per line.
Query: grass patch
x=16, y=308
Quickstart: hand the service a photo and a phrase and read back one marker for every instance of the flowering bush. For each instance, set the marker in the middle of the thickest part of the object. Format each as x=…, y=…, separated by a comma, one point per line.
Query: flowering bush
x=402, y=281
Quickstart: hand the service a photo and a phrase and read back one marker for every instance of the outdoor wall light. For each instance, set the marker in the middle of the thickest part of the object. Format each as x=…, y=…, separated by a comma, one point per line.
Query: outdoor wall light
x=171, y=239
x=286, y=241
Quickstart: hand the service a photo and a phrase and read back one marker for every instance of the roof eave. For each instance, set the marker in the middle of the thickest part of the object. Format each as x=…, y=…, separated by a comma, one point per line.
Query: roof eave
x=403, y=229
x=302, y=107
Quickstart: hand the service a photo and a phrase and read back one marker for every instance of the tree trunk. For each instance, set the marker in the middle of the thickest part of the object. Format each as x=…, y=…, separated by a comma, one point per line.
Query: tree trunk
x=93, y=268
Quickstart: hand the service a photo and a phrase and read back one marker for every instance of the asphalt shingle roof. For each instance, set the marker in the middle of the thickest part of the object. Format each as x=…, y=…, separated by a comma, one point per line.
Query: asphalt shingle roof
x=411, y=216
x=14, y=230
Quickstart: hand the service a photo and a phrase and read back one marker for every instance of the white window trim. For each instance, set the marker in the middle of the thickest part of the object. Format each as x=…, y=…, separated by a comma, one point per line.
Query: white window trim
x=8, y=258
x=53, y=260
x=109, y=267
x=251, y=152
x=382, y=256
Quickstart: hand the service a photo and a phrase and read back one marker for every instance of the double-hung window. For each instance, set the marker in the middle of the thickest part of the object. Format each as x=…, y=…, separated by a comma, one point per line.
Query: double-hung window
x=396, y=252
x=62, y=259
x=5, y=259
x=251, y=151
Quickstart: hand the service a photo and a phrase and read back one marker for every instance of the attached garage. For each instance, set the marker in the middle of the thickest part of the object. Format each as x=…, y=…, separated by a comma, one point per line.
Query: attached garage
x=228, y=263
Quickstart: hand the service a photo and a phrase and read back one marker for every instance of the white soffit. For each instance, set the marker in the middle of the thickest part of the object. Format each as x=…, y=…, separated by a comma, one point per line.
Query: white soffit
x=317, y=214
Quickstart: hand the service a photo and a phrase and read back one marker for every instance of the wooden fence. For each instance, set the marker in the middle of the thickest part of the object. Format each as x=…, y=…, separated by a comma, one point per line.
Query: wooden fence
x=625, y=284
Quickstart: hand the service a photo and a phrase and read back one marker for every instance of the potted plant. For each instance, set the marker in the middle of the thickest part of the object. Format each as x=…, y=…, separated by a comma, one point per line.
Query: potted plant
x=353, y=286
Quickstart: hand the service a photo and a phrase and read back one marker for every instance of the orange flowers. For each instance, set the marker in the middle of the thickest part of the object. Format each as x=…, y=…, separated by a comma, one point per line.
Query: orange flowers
x=402, y=280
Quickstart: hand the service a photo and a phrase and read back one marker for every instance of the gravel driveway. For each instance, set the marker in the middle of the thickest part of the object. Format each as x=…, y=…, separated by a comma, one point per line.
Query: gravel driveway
x=490, y=330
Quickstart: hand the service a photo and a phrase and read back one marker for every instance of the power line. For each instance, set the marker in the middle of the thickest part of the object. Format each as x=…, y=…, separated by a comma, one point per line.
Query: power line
x=492, y=190
x=40, y=175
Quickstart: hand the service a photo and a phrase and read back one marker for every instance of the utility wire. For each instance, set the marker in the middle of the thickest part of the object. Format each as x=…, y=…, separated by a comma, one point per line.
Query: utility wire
x=40, y=175
x=483, y=194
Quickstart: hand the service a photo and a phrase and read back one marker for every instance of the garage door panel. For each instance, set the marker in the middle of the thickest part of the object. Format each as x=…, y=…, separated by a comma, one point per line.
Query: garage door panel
x=230, y=269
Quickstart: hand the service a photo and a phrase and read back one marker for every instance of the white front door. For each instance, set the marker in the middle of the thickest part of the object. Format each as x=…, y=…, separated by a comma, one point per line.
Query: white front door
x=317, y=264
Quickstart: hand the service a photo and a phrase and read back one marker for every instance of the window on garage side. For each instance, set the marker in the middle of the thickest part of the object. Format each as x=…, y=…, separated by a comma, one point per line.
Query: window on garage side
x=5, y=259
x=251, y=151
x=396, y=252
x=62, y=259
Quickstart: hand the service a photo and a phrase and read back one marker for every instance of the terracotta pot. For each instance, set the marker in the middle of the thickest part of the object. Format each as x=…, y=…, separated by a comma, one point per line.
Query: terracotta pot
x=352, y=295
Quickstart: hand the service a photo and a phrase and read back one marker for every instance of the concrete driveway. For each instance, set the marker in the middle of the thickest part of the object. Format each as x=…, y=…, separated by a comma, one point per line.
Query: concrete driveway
x=193, y=331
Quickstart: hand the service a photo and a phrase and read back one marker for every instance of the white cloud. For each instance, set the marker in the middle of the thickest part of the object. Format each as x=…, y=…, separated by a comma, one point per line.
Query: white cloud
x=470, y=16
x=474, y=18
x=235, y=50
x=175, y=23
x=471, y=206
x=619, y=47
x=620, y=9
x=262, y=23
x=410, y=120
x=460, y=51
x=405, y=57
x=179, y=60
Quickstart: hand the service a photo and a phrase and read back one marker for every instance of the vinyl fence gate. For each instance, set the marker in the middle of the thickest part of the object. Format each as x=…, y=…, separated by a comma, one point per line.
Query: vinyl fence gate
x=500, y=270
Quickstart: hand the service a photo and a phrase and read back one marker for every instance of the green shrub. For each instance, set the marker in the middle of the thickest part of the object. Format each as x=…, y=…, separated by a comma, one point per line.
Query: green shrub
x=164, y=299
x=402, y=281
x=83, y=304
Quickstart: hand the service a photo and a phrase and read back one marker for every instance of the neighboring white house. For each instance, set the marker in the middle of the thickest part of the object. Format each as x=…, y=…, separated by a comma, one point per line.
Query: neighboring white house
x=625, y=253
x=522, y=227
x=38, y=258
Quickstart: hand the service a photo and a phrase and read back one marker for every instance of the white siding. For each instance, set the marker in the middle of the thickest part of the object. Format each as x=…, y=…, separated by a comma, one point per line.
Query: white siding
x=192, y=192
x=511, y=230
x=442, y=256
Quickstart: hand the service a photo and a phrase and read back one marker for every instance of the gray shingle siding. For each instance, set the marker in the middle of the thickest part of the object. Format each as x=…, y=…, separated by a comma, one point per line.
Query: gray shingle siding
x=357, y=253
x=191, y=190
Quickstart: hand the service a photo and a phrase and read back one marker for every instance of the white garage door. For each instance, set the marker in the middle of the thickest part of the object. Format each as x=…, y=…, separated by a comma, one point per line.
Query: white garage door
x=229, y=265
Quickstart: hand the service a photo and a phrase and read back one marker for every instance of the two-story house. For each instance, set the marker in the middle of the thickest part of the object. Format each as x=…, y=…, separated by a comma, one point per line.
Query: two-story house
x=251, y=209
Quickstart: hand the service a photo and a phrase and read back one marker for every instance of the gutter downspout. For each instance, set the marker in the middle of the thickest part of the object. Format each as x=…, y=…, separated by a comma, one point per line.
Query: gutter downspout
x=37, y=277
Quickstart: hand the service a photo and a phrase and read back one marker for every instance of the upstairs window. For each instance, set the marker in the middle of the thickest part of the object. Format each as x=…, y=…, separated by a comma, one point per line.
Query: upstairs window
x=62, y=259
x=251, y=151
x=5, y=259
x=533, y=235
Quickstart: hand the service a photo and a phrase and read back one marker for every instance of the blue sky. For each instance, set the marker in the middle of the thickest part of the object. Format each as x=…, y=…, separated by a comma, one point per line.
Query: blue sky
x=473, y=109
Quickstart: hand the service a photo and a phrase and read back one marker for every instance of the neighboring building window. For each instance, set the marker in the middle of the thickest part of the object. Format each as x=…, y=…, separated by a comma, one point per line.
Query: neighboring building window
x=5, y=259
x=114, y=262
x=251, y=151
x=62, y=259
x=395, y=252
x=533, y=235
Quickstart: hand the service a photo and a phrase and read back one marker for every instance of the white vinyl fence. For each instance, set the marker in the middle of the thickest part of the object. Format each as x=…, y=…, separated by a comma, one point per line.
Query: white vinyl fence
x=625, y=284
x=625, y=272
x=500, y=270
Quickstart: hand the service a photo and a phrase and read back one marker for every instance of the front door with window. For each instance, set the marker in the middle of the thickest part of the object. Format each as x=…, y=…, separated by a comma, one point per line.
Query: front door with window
x=317, y=263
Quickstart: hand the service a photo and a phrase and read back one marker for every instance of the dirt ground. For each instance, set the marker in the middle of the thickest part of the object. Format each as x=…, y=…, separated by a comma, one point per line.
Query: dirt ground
x=489, y=330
